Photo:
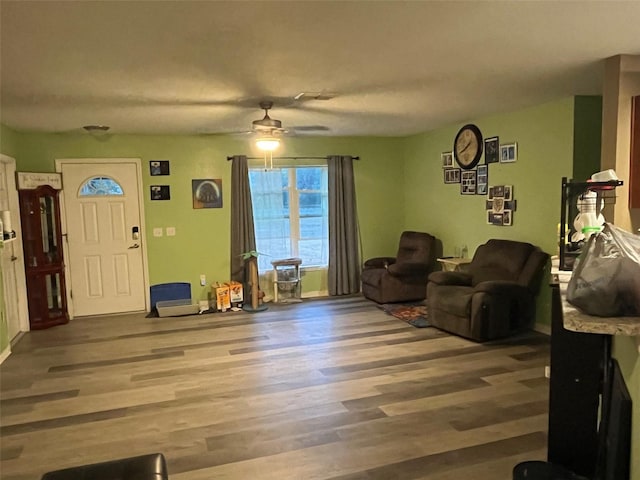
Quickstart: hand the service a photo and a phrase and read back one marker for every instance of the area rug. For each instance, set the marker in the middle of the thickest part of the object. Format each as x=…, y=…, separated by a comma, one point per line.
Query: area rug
x=414, y=314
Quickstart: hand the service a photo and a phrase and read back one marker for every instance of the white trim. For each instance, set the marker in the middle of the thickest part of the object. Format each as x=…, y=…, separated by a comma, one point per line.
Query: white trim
x=21, y=278
x=145, y=262
x=5, y=354
x=317, y=293
x=542, y=328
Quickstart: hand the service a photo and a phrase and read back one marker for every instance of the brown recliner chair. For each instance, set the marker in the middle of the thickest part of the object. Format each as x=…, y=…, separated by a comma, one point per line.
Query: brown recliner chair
x=494, y=295
x=404, y=277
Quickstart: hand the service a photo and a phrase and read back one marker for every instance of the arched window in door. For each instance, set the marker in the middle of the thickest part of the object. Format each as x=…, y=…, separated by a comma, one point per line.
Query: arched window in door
x=100, y=186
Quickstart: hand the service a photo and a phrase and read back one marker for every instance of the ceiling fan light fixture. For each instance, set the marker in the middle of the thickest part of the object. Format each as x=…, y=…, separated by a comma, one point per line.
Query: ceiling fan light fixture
x=267, y=144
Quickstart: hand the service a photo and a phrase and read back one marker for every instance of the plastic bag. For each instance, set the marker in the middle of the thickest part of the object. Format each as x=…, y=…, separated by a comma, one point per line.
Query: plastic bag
x=606, y=277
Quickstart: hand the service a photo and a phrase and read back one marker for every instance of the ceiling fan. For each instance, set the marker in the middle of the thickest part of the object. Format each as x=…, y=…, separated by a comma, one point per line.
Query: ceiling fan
x=267, y=124
x=273, y=126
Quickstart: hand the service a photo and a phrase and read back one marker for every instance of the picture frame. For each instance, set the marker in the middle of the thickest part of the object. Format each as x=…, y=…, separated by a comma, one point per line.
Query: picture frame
x=508, y=152
x=489, y=217
x=507, y=217
x=158, y=167
x=468, y=182
x=491, y=150
x=206, y=193
x=160, y=192
x=500, y=205
x=447, y=159
x=451, y=175
x=482, y=179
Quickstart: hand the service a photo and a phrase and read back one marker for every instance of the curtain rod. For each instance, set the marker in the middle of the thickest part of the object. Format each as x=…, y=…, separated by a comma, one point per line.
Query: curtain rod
x=292, y=158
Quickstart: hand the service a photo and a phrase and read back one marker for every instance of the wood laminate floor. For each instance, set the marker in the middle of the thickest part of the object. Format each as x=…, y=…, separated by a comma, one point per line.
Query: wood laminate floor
x=326, y=389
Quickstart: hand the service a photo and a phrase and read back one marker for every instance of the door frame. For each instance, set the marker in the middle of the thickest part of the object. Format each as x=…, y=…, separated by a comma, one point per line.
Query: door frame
x=143, y=237
x=21, y=277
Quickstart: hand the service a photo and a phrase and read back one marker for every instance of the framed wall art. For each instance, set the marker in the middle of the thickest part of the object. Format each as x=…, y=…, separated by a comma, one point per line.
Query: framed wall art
x=468, y=182
x=500, y=205
x=207, y=193
x=491, y=150
x=158, y=167
x=508, y=152
x=482, y=179
x=451, y=175
x=160, y=192
x=447, y=159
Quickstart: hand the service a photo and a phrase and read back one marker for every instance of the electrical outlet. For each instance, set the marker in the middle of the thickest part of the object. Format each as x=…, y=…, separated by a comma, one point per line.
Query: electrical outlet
x=203, y=280
x=157, y=232
x=171, y=231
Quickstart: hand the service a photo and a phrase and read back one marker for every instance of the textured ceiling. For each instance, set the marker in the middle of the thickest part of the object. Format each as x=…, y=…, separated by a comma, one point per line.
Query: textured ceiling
x=395, y=68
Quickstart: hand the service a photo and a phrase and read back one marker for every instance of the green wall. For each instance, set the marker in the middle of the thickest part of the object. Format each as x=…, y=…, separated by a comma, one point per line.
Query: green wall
x=544, y=135
x=201, y=244
x=587, y=138
x=399, y=186
x=8, y=141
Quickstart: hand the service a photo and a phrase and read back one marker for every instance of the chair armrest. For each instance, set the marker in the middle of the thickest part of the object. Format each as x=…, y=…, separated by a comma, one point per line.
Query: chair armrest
x=451, y=278
x=501, y=287
x=379, y=262
x=408, y=269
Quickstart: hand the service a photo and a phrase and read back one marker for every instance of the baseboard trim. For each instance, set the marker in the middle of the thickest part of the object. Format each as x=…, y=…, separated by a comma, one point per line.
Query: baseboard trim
x=5, y=354
x=317, y=293
x=542, y=328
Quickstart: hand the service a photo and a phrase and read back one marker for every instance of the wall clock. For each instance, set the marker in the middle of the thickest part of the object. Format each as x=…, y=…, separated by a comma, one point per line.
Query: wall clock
x=467, y=147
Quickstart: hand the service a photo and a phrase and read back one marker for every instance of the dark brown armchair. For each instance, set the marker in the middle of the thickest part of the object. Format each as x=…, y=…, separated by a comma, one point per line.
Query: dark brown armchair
x=403, y=277
x=493, y=297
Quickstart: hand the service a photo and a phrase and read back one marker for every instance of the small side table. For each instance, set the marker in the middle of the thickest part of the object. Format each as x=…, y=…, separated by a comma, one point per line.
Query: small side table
x=451, y=264
x=286, y=278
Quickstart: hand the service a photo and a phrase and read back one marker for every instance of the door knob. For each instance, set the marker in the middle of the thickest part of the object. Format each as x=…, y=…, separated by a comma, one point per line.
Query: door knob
x=135, y=245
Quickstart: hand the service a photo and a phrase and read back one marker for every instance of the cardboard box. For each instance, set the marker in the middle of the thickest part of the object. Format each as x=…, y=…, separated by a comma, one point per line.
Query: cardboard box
x=235, y=292
x=223, y=299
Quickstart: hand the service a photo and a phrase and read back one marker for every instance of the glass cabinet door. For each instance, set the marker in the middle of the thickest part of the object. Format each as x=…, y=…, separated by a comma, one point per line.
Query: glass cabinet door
x=44, y=266
x=48, y=227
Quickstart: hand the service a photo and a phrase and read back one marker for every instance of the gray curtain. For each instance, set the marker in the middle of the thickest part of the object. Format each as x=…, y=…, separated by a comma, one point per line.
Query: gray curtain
x=243, y=237
x=344, y=254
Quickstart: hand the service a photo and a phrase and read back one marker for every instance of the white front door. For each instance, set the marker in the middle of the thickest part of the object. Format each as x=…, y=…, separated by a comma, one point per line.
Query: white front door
x=13, y=276
x=102, y=206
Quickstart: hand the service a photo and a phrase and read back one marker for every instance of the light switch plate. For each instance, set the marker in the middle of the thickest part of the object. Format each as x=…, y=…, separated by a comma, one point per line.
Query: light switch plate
x=171, y=231
x=157, y=232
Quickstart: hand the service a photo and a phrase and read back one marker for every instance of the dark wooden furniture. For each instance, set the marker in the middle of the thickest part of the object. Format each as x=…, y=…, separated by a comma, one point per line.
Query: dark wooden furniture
x=574, y=390
x=44, y=265
x=634, y=176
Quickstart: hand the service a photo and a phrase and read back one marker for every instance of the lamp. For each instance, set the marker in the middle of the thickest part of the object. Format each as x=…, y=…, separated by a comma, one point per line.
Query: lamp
x=267, y=144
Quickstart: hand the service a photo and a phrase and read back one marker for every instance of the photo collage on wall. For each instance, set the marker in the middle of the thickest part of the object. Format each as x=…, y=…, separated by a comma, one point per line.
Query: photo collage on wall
x=159, y=168
x=500, y=205
x=475, y=181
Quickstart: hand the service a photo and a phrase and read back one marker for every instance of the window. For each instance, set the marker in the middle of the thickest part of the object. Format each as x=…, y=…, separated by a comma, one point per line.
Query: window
x=290, y=214
x=100, y=186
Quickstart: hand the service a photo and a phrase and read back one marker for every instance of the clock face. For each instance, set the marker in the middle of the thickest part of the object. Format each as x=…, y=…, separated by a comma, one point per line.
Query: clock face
x=467, y=146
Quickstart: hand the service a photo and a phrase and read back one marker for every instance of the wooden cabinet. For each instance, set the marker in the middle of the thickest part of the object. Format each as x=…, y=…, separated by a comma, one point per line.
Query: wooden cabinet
x=634, y=173
x=44, y=265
